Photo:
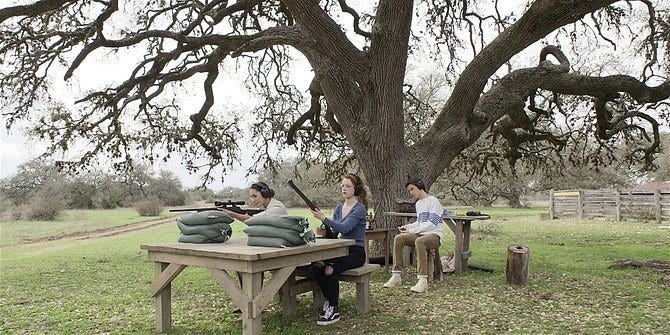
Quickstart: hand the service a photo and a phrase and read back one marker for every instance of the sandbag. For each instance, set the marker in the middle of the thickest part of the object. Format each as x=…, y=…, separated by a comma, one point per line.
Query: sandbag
x=204, y=217
x=290, y=235
x=294, y=222
x=207, y=230
x=197, y=238
x=264, y=241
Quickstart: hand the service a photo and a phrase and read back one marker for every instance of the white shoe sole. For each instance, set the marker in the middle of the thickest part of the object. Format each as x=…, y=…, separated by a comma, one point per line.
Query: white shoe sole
x=326, y=323
x=414, y=289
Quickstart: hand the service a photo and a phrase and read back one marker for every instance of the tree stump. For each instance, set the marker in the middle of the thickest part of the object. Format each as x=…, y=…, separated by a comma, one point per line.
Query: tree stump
x=517, y=265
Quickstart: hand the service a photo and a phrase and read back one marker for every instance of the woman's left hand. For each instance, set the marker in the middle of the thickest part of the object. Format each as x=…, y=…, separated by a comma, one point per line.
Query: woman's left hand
x=318, y=214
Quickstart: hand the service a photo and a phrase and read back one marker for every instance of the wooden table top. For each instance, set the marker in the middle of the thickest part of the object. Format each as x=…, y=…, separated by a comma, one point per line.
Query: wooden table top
x=455, y=217
x=237, y=248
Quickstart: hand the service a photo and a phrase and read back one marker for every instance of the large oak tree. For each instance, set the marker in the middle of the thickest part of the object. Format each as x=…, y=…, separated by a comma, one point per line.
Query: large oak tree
x=358, y=99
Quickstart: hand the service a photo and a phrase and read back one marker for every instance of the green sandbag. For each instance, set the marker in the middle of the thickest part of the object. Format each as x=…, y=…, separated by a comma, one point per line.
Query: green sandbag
x=294, y=222
x=207, y=230
x=197, y=238
x=309, y=236
x=264, y=241
x=289, y=235
x=205, y=217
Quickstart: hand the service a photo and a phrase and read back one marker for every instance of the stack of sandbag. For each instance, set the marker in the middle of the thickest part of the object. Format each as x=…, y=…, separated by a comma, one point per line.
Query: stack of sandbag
x=205, y=227
x=274, y=230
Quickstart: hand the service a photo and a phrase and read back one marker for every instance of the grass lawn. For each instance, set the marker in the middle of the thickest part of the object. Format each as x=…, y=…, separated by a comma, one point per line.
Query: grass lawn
x=101, y=285
x=73, y=221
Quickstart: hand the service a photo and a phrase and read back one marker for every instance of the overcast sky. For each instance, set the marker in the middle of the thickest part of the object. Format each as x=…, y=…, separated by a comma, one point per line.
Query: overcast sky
x=16, y=150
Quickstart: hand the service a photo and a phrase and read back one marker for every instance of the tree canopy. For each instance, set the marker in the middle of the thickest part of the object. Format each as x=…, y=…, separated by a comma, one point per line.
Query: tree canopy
x=358, y=105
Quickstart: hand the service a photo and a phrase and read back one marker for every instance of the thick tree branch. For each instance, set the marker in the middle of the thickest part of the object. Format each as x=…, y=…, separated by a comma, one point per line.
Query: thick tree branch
x=294, y=36
x=462, y=119
x=507, y=96
x=32, y=10
x=330, y=40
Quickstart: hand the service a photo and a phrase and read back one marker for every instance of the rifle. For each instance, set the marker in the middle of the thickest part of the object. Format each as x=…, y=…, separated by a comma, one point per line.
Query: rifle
x=230, y=205
x=310, y=204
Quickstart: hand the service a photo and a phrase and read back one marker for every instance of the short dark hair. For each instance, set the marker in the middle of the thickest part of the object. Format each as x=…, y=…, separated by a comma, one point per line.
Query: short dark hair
x=416, y=182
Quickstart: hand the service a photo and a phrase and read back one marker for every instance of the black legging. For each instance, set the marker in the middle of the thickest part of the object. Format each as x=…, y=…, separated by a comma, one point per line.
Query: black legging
x=330, y=285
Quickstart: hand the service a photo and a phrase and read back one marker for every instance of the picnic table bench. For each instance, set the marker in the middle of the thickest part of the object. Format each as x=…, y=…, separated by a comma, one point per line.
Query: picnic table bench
x=306, y=283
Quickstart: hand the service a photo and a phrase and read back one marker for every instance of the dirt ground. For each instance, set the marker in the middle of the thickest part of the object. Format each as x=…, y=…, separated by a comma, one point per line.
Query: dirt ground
x=102, y=232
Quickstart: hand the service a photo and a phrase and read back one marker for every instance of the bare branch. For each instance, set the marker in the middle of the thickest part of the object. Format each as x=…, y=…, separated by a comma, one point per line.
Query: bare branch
x=357, y=18
x=32, y=10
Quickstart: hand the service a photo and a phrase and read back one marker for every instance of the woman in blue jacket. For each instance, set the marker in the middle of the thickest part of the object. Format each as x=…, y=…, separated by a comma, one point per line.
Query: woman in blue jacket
x=349, y=221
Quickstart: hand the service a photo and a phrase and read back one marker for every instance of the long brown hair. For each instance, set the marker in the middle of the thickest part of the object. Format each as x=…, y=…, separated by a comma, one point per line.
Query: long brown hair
x=359, y=187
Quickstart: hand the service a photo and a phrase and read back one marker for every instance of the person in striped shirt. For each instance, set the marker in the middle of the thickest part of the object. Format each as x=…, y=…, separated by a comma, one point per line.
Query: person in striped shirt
x=423, y=234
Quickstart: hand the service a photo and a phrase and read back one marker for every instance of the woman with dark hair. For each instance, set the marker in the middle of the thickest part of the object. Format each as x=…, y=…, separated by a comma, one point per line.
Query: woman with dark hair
x=262, y=196
x=349, y=221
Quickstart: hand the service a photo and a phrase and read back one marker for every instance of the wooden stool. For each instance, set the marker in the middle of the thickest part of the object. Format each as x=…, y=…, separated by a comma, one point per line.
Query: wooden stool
x=434, y=263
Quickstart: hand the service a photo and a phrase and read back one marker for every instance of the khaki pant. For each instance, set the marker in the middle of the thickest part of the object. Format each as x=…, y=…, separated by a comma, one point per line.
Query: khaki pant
x=421, y=244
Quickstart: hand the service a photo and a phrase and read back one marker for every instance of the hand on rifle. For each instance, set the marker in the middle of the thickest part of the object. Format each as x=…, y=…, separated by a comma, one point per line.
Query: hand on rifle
x=235, y=215
x=319, y=230
x=318, y=214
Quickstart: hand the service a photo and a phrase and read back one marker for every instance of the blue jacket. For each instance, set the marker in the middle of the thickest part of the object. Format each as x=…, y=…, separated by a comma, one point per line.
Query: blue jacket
x=352, y=226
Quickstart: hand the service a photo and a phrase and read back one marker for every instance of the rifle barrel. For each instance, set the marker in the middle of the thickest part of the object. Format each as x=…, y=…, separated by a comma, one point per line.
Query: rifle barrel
x=194, y=209
x=309, y=203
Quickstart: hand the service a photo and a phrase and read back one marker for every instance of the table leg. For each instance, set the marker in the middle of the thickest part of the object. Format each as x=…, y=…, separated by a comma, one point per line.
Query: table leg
x=367, y=248
x=163, y=300
x=161, y=290
x=251, y=285
x=458, y=248
x=466, y=243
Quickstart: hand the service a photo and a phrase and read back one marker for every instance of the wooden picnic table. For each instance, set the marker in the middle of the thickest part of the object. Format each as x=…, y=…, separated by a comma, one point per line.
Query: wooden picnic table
x=234, y=255
x=460, y=225
x=383, y=234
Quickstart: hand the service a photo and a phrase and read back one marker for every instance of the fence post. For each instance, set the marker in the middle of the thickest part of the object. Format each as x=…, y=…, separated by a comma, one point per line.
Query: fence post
x=657, y=203
x=618, y=204
x=580, y=204
x=551, y=204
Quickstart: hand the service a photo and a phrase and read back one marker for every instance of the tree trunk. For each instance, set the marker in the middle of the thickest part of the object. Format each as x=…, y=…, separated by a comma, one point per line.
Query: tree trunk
x=514, y=200
x=517, y=265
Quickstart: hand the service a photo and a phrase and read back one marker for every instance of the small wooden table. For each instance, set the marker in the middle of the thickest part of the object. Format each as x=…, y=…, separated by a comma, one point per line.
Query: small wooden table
x=383, y=234
x=461, y=227
x=234, y=255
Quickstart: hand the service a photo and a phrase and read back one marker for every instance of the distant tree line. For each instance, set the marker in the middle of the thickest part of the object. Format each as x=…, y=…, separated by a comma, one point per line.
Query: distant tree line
x=39, y=191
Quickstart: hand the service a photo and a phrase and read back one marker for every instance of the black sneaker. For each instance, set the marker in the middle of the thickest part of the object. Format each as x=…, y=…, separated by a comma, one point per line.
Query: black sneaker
x=322, y=312
x=330, y=316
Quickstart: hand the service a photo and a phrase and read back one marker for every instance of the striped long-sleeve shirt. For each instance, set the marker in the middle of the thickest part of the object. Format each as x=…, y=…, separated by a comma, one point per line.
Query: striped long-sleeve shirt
x=428, y=217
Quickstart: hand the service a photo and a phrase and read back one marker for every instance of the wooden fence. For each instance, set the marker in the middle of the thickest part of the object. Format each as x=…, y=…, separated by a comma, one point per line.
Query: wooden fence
x=611, y=204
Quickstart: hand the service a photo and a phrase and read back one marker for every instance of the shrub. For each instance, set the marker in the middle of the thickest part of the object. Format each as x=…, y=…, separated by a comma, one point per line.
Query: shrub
x=149, y=207
x=176, y=200
x=44, y=208
x=110, y=202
